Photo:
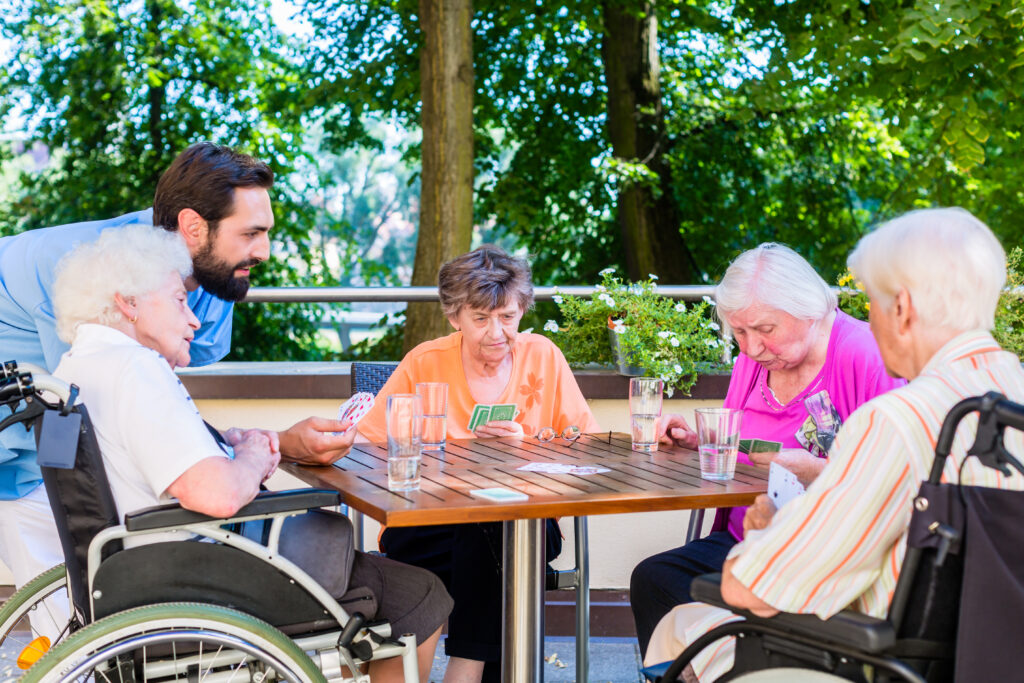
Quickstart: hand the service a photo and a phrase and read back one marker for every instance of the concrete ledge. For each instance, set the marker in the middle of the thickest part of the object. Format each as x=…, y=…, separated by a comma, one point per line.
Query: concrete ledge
x=333, y=381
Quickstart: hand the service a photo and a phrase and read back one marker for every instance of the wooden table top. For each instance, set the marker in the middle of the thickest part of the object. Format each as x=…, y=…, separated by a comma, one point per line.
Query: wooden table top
x=636, y=482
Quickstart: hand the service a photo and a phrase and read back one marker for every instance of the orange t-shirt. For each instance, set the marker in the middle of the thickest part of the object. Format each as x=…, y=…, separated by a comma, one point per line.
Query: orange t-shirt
x=541, y=385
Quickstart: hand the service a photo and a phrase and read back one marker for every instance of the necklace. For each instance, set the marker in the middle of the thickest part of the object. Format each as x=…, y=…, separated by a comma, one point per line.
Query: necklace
x=763, y=382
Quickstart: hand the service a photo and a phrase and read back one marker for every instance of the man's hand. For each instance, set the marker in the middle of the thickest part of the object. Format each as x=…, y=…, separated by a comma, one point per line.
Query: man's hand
x=500, y=428
x=314, y=442
x=806, y=466
x=759, y=515
x=738, y=595
x=673, y=430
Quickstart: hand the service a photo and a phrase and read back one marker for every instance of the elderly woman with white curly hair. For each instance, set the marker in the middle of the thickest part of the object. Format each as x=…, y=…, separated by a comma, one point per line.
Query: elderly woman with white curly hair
x=933, y=278
x=121, y=304
x=794, y=344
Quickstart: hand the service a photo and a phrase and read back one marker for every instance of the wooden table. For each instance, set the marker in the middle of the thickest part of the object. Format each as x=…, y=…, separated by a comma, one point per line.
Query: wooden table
x=635, y=482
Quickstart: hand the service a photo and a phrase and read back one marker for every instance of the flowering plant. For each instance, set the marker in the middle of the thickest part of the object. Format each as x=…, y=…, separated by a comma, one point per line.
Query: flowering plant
x=853, y=300
x=669, y=339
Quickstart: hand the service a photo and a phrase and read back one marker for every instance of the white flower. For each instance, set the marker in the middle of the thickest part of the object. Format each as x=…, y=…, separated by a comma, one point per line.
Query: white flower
x=677, y=368
x=664, y=335
x=528, y=330
x=674, y=342
x=557, y=299
x=652, y=276
x=607, y=271
x=681, y=306
x=607, y=299
x=551, y=326
x=707, y=300
x=713, y=343
x=714, y=326
x=618, y=327
x=598, y=288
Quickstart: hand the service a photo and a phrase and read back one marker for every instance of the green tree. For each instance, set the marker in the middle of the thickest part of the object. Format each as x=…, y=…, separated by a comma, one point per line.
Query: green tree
x=117, y=89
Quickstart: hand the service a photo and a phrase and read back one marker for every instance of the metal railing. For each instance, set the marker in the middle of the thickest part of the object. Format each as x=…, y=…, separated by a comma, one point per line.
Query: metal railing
x=378, y=294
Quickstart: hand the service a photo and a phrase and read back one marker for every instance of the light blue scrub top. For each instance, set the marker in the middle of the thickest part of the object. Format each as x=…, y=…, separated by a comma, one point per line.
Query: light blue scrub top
x=28, y=330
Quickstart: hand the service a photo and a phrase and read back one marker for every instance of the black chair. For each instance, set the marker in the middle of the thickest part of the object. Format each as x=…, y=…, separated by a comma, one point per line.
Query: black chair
x=370, y=377
x=144, y=612
x=958, y=603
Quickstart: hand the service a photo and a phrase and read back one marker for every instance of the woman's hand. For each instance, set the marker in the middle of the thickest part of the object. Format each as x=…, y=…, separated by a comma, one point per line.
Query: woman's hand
x=806, y=466
x=759, y=515
x=673, y=430
x=500, y=428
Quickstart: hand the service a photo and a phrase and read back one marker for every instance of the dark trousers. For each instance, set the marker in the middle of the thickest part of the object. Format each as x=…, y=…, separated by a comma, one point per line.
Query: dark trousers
x=467, y=558
x=662, y=581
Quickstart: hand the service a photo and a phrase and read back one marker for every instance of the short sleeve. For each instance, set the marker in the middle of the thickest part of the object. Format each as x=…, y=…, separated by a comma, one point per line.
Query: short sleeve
x=160, y=426
x=826, y=548
x=572, y=407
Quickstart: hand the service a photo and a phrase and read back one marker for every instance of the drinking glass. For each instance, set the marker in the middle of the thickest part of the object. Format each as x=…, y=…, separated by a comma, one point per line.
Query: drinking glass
x=405, y=441
x=718, y=436
x=435, y=414
x=644, y=411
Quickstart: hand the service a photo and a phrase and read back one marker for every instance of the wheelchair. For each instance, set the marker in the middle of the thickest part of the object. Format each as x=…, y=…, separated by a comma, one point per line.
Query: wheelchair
x=925, y=637
x=220, y=606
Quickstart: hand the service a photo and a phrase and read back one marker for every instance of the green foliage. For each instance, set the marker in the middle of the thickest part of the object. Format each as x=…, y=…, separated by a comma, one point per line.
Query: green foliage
x=853, y=300
x=1009, y=329
x=664, y=338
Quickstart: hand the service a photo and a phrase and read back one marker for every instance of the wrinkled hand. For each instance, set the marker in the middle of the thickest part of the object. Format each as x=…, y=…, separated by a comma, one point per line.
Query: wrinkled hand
x=257, y=447
x=235, y=435
x=314, y=441
x=759, y=515
x=500, y=428
x=805, y=465
x=673, y=430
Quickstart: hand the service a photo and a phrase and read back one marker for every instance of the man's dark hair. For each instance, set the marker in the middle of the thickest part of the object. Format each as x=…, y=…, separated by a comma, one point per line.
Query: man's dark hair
x=203, y=178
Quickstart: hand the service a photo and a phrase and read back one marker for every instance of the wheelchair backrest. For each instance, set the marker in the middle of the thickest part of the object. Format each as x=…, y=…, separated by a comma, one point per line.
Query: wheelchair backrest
x=82, y=507
x=926, y=604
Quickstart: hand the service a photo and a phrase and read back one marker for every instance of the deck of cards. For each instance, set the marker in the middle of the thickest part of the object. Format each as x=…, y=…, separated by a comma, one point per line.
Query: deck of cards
x=355, y=409
x=482, y=414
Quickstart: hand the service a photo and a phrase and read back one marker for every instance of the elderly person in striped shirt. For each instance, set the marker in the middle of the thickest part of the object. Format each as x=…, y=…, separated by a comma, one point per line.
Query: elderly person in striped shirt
x=933, y=278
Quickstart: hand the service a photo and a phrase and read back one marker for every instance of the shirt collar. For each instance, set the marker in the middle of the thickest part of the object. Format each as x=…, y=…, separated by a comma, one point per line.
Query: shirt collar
x=89, y=334
x=959, y=348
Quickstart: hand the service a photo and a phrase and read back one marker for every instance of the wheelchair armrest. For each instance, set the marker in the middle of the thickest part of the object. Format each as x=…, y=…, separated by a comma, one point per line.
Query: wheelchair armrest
x=267, y=503
x=847, y=627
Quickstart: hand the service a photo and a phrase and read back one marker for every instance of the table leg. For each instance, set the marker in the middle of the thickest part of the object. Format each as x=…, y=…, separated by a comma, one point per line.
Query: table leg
x=693, y=531
x=523, y=624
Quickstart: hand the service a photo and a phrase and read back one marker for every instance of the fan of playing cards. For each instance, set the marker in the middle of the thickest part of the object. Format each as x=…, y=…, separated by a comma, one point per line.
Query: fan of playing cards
x=482, y=414
x=355, y=408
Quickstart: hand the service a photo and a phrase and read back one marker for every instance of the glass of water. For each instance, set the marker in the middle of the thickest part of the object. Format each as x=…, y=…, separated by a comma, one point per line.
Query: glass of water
x=435, y=413
x=718, y=436
x=644, y=410
x=405, y=441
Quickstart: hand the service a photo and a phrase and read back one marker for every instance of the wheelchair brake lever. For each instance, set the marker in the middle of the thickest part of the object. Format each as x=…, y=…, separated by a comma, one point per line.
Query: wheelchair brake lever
x=947, y=537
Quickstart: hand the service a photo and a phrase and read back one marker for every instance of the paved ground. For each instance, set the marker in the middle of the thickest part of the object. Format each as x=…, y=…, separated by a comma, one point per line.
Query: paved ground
x=612, y=660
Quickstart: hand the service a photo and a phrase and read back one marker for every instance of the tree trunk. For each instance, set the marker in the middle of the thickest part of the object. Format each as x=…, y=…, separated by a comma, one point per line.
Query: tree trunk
x=446, y=194
x=648, y=216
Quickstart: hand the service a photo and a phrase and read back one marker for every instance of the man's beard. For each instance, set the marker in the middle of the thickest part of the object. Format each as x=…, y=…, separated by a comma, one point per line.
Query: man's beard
x=217, y=276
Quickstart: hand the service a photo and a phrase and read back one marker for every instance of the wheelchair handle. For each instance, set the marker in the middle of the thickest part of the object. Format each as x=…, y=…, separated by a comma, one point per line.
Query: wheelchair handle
x=995, y=412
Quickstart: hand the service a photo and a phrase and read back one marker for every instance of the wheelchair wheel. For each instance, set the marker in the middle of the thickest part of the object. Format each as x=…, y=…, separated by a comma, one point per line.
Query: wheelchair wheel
x=176, y=642
x=39, y=608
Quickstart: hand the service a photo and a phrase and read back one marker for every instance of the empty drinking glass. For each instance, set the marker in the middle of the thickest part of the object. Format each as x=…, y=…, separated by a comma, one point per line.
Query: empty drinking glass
x=435, y=414
x=644, y=410
x=405, y=441
x=718, y=436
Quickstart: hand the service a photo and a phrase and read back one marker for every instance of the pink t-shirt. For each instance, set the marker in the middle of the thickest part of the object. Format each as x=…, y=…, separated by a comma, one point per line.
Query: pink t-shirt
x=853, y=374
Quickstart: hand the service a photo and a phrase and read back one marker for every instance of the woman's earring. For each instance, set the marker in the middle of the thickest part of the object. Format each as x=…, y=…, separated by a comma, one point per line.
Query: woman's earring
x=134, y=319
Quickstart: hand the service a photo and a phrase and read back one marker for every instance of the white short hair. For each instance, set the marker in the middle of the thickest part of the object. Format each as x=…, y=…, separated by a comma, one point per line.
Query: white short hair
x=774, y=275
x=131, y=261
x=949, y=262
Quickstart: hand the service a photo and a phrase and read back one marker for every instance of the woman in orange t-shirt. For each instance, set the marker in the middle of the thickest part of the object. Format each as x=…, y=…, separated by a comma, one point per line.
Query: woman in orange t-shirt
x=486, y=361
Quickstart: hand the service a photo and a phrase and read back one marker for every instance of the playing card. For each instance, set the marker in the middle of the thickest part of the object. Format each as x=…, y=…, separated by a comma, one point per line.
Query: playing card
x=503, y=411
x=763, y=446
x=783, y=486
x=480, y=416
x=499, y=495
x=355, y=408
